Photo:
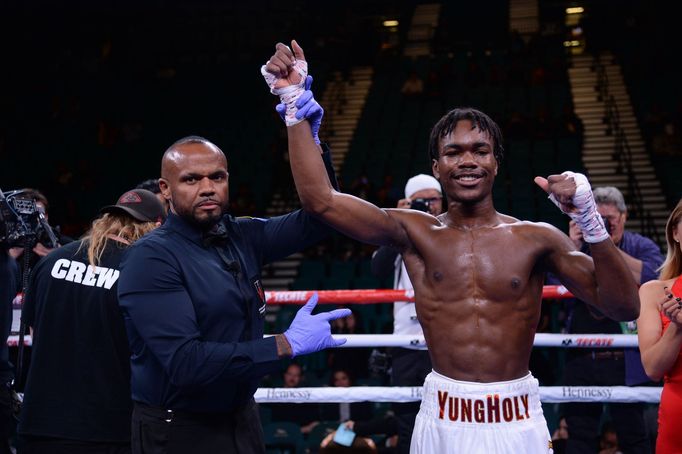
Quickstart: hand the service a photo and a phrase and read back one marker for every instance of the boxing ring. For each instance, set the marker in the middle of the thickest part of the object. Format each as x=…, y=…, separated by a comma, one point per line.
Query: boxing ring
x=548, y=394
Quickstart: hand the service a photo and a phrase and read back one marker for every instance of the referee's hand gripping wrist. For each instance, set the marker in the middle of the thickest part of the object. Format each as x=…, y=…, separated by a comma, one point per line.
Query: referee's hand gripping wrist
x=310, y=333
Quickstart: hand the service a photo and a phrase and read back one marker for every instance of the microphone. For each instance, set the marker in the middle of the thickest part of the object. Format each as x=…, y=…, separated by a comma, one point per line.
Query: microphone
x=233, y=267
x=54, y=242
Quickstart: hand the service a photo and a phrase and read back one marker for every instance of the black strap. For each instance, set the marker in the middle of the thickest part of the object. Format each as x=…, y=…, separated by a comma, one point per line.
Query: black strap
x=26, y=271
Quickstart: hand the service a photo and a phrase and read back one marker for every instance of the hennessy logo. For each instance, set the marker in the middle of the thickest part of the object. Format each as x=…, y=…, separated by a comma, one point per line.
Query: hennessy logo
x=488, y=410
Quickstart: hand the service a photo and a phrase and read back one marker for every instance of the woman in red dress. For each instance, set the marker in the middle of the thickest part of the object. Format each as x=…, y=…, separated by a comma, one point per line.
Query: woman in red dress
x=660, y=336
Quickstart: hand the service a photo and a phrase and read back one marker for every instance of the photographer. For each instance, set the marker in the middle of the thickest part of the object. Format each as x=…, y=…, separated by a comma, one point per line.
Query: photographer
x=608, y=367
x=42, y=246
x=410, y=366
x=77, y=395
x=9, y=286
x=24, y=226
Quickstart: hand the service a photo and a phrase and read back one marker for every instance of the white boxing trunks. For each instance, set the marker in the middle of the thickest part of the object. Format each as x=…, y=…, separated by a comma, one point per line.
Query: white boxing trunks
x=486, y=418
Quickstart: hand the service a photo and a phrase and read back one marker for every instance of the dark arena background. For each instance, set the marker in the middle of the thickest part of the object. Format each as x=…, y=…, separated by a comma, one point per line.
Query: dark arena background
x=93, y=92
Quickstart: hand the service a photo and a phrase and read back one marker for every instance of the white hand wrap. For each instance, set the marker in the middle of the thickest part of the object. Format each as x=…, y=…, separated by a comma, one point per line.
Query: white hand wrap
x=288, y=95
x=585, y=214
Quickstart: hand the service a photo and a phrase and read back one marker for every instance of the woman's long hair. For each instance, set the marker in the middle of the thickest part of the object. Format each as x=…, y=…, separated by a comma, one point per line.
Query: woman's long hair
x=113, y=224
x=672, y=267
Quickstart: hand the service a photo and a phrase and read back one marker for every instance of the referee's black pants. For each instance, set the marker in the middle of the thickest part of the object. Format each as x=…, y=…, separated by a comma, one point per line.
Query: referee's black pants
x=159, y=431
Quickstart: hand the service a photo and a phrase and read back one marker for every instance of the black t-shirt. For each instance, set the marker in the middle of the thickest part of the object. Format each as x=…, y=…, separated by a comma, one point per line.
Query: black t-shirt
x=9, y=286
x=78, y=384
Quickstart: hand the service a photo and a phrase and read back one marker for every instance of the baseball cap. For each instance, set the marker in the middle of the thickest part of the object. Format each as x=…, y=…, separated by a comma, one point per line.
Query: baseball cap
x=419, y=183
x=140, y=204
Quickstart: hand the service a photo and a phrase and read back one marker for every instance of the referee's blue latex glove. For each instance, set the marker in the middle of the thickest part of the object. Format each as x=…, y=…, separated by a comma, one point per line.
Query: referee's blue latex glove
x=311, y=333
x=308, y=109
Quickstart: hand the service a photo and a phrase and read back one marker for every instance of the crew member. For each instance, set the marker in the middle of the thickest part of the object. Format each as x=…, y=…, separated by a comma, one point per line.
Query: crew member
x=77, y=395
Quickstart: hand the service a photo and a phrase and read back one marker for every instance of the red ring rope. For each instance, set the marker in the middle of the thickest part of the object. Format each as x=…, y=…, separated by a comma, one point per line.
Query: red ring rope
x=374, y=296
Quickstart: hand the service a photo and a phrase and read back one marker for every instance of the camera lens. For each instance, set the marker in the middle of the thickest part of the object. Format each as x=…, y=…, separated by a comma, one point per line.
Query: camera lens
x=420, y=205
x=607, y=224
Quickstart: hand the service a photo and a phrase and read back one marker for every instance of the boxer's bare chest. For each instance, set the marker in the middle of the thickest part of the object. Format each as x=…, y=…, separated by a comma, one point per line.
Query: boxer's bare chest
x=481, y=262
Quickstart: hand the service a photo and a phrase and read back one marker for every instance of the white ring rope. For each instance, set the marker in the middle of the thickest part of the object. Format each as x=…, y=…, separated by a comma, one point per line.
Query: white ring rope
x=406, y=340
x=541, y=340
x=548, y=394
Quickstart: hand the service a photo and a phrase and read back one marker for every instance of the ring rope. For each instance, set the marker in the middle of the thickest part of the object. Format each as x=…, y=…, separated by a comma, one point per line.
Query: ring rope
x=417, y=342
x=541, y=340
x=374, y=296
x=548, y=394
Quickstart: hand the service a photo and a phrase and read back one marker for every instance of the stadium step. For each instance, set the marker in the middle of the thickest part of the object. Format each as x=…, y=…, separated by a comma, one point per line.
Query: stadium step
x=421, y=31
x=600, y=140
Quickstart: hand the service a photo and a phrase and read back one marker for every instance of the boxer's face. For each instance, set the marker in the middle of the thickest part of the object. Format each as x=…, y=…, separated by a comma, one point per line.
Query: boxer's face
x=196, y=182
x=466, y=166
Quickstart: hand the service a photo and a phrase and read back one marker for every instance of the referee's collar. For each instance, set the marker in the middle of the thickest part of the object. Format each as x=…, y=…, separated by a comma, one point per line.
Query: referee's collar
x=187, y=229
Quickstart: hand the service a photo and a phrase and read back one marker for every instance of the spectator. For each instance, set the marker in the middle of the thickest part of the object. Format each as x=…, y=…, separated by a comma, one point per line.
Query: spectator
x=305, y=415
x=353, y=360
x=560, y=437
x=667, y=141
x=569, y=124
x=386, y=426
x=609, y=367
x=344, y=411
x=413, y=85
x=608, y=442
x=293, y=375
x=360, y=445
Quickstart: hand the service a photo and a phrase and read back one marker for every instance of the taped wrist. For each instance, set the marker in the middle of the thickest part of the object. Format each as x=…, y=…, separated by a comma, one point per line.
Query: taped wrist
x=585, y=215
x=290, y=94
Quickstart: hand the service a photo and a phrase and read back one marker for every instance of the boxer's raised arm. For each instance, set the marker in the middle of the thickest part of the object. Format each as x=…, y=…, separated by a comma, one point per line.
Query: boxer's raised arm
x=348, y=214
x=607, y=282
x=285, y=73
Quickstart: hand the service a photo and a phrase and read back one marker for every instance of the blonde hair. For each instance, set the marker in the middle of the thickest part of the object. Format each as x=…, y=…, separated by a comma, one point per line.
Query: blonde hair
x=113, y=224
x=672, y=267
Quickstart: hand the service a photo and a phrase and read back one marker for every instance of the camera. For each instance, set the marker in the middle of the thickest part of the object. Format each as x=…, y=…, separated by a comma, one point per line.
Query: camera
x=607, y=224
x=22, y=222
x=420, y=205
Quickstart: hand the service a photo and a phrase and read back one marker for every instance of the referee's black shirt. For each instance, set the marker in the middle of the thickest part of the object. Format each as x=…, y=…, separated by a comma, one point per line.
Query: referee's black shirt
x=194, y=319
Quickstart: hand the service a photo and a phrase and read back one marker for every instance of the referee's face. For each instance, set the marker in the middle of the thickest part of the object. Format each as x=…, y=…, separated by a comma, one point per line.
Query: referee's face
x=195, y=182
